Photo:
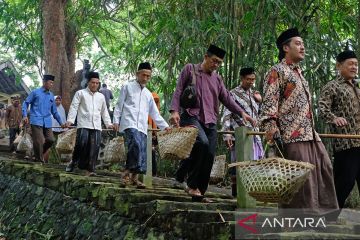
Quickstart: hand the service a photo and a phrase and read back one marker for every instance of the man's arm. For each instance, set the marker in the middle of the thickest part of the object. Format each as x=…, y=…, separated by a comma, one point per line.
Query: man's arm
x=184, y=78
x=227, y=99
x=226, y=126
x=270, y=105
x=105, y=113
x=29, y=100
x=119, y=105
x=26, y=104
x=229, y=102
x=155, y=115
x=181, y=84
x=327, y=96
x=74, y=107
x=7, y=115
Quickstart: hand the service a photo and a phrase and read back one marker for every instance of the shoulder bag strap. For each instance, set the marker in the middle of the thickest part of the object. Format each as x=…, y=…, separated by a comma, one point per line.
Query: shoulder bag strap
x=193, y=81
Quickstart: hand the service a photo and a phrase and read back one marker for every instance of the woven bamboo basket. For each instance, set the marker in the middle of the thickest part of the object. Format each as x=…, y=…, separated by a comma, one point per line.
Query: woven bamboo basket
x=177, y=143
x=2, y=134
x=114, y=152
x=218, y=169
x=66, y=141
x=274, y=179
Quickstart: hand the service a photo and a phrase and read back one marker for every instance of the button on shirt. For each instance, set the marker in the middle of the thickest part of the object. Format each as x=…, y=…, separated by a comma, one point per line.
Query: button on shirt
x=42, y=107
x=134, y=106
x=209, y=90
x=89, y=108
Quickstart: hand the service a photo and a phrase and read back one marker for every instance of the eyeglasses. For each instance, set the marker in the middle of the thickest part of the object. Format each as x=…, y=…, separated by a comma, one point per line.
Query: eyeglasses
x=216, y=61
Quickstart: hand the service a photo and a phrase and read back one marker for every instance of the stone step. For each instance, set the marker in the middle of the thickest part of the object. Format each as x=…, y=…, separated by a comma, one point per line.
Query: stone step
x=330, y=229
x=170, y=211
x=144, y=210
x=46, y=175
x=206, y=216
x=195, y=231
x=174, y=219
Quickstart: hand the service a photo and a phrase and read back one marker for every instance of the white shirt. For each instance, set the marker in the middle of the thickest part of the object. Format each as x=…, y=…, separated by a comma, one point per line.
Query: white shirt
x=90, y=108
x=134, y=106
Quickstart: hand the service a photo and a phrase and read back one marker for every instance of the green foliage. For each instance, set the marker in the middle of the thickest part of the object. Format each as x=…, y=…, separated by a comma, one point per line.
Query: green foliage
x=353, y=201
x=116, y=35
x=20, y=28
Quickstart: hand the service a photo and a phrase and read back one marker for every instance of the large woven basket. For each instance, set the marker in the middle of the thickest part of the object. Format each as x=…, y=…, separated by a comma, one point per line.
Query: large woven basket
x=274, y=179
x=177, y=143
x=114, y=151
x=66, y=141
x=218, y=169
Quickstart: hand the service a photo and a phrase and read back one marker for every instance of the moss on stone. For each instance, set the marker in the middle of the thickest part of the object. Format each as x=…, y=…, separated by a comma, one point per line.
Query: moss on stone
x=42, y=201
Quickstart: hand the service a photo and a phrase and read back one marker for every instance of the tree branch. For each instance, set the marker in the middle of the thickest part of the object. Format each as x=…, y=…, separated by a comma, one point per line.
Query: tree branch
x=99, y=44
x=97, y=60
x=128, y=22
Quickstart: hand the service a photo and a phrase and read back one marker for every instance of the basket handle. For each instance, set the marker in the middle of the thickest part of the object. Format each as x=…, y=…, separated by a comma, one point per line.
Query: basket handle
x=267, y=146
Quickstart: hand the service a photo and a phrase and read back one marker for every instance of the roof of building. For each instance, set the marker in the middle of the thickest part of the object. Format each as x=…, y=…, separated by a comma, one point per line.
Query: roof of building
x=8, y=84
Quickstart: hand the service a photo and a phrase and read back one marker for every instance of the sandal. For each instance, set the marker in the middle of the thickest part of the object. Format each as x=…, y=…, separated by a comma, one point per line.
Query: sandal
x=139, y=184
x=135, y=181
x=206, y=200
x=193, y=192
x=126, y=179
x=90, y=174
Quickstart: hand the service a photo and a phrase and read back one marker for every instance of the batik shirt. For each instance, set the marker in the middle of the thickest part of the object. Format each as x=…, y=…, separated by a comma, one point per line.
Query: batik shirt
x=287, y=104
x=340, y=98
x=247, y=102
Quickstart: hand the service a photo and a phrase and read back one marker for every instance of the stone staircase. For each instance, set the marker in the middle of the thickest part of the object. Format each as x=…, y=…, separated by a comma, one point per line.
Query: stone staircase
x=43, y=202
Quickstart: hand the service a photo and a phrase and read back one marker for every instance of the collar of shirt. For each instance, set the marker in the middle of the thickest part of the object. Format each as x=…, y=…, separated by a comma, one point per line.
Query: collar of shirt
x=351, y=82
x=201, y=70
x=293, y=66
x=341, y=79
x=44, y=90
x=240, y=90
x=141, y=86
x=89, y=91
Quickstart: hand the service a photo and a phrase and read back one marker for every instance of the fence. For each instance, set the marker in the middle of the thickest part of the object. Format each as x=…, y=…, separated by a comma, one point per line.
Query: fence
x=243, y=138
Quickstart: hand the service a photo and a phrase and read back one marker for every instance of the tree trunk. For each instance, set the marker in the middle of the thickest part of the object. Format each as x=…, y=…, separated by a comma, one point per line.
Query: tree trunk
x=59, y=48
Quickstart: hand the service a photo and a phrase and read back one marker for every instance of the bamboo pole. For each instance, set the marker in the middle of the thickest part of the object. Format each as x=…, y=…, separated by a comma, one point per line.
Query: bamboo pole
x=322, y=135
x=148, y=179
x=243, y=149
x=70, y=127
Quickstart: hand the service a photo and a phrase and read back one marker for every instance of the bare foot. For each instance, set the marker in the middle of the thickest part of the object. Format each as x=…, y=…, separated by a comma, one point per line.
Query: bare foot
x=135, y=181
x=126, y=177
x=194, y=192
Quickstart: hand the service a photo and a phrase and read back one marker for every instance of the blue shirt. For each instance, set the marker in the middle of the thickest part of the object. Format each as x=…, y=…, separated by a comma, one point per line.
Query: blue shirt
x=42, y=107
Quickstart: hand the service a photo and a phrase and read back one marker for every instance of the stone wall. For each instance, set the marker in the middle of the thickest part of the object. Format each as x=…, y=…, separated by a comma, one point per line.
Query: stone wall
x=43, y=202
x=28, y=211
x=39, y=202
